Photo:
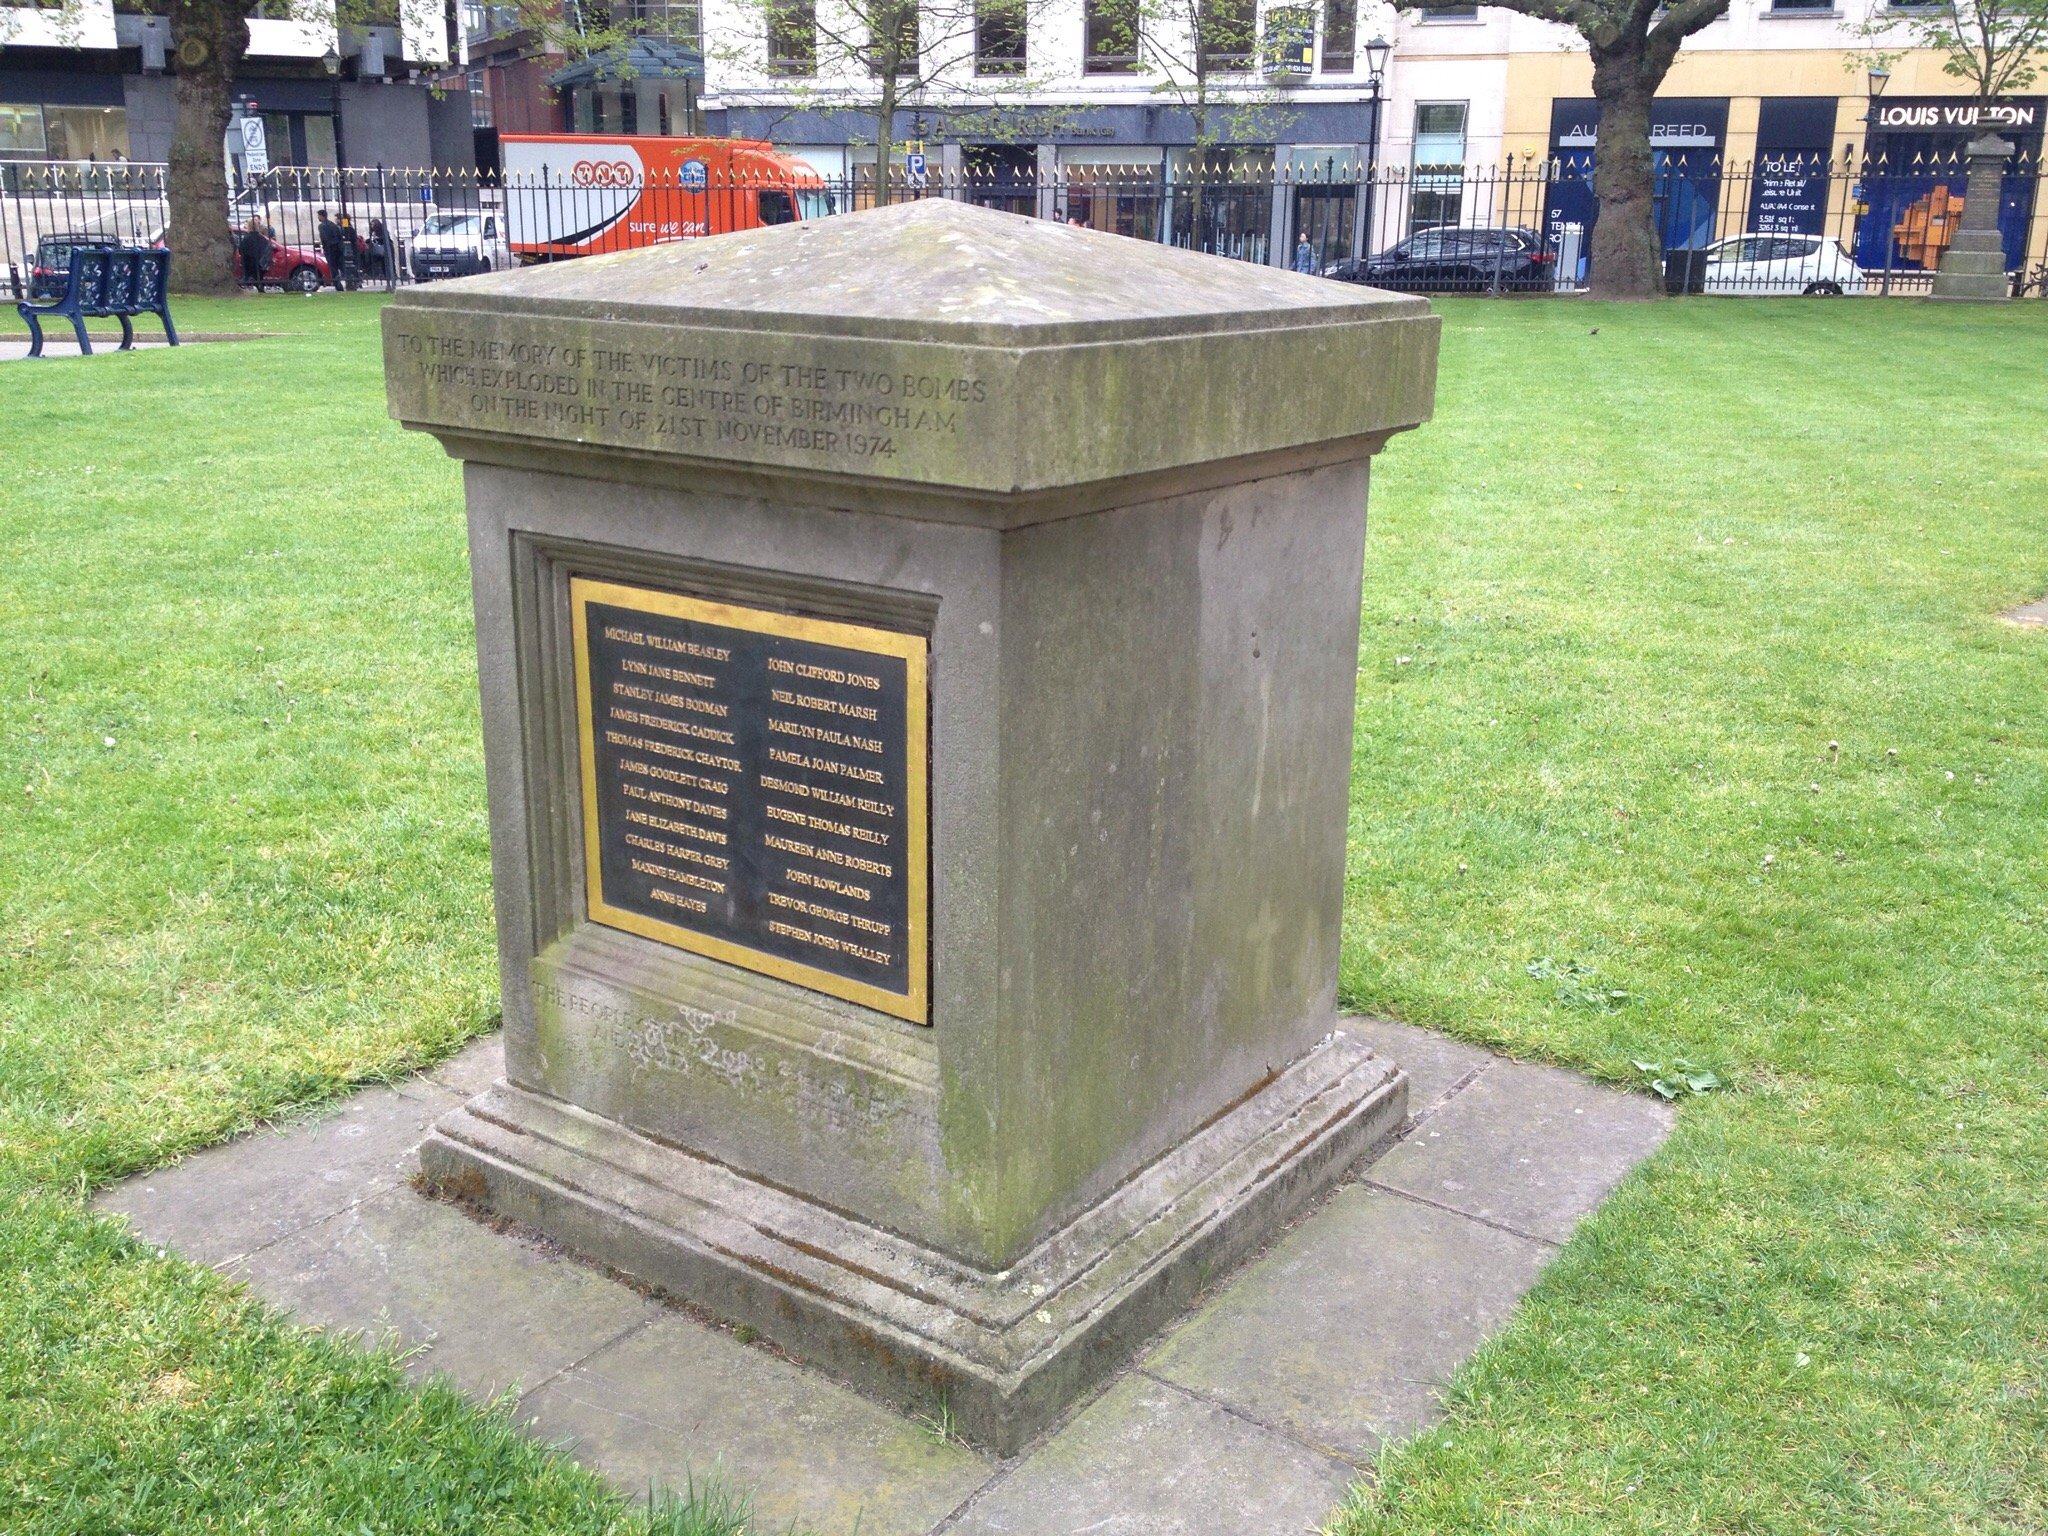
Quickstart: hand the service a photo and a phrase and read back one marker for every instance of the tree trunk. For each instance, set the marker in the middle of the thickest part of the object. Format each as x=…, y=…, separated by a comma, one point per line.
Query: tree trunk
x=885, y=136
x=208, y=39
x=1627, y=255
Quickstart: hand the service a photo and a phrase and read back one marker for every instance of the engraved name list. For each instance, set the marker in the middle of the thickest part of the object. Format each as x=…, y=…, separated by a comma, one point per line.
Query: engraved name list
x=754, y=788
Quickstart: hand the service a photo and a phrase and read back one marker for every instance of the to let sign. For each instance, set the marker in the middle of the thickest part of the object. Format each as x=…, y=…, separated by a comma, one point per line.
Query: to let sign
x=754, y=788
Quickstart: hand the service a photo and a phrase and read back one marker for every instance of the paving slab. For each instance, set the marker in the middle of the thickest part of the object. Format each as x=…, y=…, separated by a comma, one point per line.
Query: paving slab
x=473, y=1068
x=1436, y=1064
x=2034, y=613
x=676, y=1399
x=1251, y=1415
x=1148, y=1458
x=1532, y=1148
x=1345, y=1334
x=226, y=1201
x=489, y=1311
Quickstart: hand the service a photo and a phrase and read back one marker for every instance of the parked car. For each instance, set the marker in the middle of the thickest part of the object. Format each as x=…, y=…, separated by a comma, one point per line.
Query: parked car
x=458, y=245
x=1782, y=264
x=1457, y=261
x=50, y=268
x=297, y=268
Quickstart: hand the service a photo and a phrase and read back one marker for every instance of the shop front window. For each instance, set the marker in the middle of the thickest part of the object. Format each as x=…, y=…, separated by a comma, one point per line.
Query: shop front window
x=86, y=133
x=1117, y=190
x=21, y=131
x=1221, y=201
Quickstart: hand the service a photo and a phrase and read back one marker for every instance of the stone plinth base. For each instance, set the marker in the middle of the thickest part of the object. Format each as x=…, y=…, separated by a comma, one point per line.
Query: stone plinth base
x=1973, y=267
x=1004, y=1351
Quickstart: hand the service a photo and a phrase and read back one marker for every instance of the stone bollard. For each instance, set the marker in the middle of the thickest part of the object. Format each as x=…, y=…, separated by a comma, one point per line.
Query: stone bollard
x=918, y=653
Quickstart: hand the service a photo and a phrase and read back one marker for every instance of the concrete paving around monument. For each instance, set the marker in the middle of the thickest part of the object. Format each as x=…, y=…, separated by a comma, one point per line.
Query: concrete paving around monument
x=1253, y=1413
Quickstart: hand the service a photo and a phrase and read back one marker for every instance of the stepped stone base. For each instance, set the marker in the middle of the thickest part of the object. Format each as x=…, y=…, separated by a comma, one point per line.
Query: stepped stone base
x=1973, y=268
x=1004, y=1351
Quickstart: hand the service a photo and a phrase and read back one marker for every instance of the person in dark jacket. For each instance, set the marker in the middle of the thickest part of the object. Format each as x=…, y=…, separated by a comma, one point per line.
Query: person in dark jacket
x=379, y=255
x=254, y=248
x=330, y=246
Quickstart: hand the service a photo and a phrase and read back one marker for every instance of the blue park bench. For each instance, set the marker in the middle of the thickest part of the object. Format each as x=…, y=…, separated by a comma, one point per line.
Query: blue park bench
x=102, y=280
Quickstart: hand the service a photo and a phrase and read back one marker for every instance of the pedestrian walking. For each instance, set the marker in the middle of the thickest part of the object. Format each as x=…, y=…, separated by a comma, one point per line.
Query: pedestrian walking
x=330, y=246
x=1304, y=254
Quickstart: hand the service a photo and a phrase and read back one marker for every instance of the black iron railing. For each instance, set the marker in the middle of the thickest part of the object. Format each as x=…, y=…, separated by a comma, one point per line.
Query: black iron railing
x=1784, y=223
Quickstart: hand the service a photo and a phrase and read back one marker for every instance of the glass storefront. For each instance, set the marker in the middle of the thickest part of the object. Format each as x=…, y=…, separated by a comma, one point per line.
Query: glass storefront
x=39, y=131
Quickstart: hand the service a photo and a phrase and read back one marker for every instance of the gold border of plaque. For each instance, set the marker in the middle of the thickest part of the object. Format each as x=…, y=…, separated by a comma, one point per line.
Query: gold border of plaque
x=913, y=1005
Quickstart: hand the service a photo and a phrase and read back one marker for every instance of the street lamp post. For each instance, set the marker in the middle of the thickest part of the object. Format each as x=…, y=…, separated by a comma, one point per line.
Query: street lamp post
x=330, y=61
x=1877, y=78
x=1376, y=53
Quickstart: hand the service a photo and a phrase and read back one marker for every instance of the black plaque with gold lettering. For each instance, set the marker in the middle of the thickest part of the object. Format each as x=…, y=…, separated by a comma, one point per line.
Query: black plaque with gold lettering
x=754, y=788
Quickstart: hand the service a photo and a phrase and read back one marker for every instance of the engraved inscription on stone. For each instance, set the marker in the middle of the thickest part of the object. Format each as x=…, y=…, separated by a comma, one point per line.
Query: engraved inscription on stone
x=823, y=404
x=754, y=788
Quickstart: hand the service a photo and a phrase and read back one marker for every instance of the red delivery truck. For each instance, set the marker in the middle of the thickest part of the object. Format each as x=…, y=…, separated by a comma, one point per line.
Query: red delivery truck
x=572, y=194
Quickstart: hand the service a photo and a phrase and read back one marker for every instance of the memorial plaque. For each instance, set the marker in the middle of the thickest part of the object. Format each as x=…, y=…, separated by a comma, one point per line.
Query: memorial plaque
x=754, y=788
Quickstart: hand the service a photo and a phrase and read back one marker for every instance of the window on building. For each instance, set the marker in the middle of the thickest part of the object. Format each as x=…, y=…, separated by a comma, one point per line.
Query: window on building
x=479, y=100
x=21, y=131
x=1450, y=13
x=1802, y=5
x=999, y=37
x=1340, y=36
x=680, y=21
x=793, y=37
x=892, y=32
x=1110, y=43
x=86, y=133
x=1229, y=32
x=1436, y=189
x=319, y=131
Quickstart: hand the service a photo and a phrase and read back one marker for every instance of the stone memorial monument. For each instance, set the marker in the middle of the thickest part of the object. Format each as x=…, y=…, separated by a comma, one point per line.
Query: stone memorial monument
x=918, y=656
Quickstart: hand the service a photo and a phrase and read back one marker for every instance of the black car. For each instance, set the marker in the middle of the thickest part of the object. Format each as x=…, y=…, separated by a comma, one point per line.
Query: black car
x=1457, y=261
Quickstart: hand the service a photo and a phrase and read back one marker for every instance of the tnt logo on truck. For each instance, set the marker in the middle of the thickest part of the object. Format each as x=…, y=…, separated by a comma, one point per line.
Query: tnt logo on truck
x=691, y=176
x=604, y=173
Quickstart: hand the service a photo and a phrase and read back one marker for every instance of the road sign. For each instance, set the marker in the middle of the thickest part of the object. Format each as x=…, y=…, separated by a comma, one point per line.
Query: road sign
x=915, y=164
x=255, y=148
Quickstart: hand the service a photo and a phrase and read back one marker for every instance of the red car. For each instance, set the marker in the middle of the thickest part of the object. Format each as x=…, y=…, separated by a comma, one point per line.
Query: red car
x=294, y=267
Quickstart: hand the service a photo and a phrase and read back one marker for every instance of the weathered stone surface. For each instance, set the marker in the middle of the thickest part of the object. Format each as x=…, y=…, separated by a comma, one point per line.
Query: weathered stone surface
x=1150, y=1459
x=1003, y=1351
x=472, y=1069
x=1120, y=489
x=1532, y=1148
x=676, y=1399
x=930, y=342
x=1345, y=1334
x=2034, y=613
x=219, y=1204
x=1436, y=1064
x=487, y=1311
x=1341, y=1333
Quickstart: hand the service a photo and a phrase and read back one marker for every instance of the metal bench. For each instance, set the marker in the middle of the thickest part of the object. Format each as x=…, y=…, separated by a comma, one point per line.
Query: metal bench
x=105, y=280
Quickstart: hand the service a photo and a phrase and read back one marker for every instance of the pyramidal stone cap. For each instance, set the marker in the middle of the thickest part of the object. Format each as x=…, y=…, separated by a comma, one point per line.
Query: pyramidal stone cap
x=931, y=343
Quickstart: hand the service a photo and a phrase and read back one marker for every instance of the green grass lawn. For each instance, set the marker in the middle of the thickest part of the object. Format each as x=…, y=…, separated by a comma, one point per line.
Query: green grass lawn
x=1680, y=661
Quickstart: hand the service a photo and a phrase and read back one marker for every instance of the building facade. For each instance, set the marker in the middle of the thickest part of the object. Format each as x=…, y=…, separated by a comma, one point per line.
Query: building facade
x=89, y=81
